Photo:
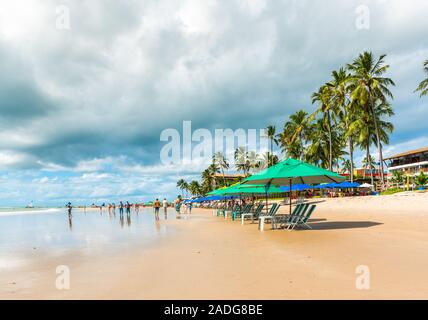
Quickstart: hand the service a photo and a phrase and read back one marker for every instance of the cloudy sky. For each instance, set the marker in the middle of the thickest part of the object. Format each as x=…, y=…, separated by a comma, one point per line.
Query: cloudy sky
x=87, y=87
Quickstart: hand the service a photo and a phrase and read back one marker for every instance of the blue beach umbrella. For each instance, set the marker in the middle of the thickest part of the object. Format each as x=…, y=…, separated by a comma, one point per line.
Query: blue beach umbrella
x=296, y=187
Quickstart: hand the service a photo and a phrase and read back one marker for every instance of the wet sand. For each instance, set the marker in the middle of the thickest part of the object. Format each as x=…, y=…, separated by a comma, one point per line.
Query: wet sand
x=207, y=257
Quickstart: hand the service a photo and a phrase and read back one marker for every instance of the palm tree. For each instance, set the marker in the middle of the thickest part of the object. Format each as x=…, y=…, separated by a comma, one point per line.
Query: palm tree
x=240, y=157
x=271, y=134
x=207, y=180
x=397, y=177
x=324, y=98
x=367, y=84
x=222, y=163
x=370, y=163
x=195, y=188
x=181, y=185
x=297, y=126
x=423, y=86
x=318, y=150
x=254, y=160
x=340, y=97
x=348, y=166
x=268, y=160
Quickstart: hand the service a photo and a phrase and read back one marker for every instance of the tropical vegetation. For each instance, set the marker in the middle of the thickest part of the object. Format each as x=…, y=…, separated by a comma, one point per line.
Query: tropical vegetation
x=352, y=111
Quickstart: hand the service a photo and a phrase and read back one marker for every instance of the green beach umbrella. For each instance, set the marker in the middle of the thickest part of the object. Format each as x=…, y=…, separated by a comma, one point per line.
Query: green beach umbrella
x=253, y=189
x=291, y=171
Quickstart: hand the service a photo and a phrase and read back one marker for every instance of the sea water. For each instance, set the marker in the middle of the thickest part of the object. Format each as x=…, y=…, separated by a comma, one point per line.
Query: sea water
x=54, y=232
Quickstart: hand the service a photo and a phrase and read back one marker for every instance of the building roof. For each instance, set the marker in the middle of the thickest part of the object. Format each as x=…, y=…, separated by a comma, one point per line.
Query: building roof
x=408, y=153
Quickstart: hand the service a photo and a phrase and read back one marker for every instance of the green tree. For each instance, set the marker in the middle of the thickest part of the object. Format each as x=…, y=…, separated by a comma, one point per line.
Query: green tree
x=348, y=166
x=370, y=164
x=241, y=160
x=182, y=185
x=268, y=160
x=421, y=179
x=368, y=84
x=195, y=188
x=222, y=163
x=271, y=135
x=397, y=177
x=423, y=86
x=324, y=97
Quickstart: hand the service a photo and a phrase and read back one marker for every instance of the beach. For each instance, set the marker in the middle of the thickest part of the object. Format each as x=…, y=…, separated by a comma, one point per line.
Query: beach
x=205, y=257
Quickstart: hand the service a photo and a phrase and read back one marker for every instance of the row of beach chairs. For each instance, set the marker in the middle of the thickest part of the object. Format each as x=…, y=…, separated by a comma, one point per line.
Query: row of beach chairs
x=298, y=218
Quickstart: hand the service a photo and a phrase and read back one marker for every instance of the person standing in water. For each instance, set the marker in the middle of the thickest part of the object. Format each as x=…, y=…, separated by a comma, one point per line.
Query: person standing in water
x=121, y=208
x=177, y=204
x=157, y=206
x=128, y=208
x=165, y=207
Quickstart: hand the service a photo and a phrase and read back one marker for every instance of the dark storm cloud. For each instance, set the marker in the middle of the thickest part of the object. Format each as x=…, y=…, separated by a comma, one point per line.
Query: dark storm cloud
x=125, y=71
x=21, y=99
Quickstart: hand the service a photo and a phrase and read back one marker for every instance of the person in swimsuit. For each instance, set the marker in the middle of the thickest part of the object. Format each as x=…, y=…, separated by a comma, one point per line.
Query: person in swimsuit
x=157, y=206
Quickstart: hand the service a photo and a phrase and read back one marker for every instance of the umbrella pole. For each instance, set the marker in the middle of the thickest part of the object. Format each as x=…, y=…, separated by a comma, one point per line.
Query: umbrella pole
x=267, y=204
x=291, y=193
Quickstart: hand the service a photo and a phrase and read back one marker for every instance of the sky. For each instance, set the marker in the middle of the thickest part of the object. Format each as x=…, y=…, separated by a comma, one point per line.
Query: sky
x=87, y=87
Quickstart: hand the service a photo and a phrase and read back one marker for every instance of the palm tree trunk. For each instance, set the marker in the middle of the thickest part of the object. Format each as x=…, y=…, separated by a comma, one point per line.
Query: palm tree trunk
x=379, y=147
x=368, y=163
x=301, y=143
x=224, y=179
x=351, y=157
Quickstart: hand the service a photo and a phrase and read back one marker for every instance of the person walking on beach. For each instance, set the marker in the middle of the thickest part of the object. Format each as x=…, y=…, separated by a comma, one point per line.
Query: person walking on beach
x=157, y=206
x=165, y=207
x=177, y=203
x=121, y=208
x=69, y=208
x=128, y=208
x=137, y=208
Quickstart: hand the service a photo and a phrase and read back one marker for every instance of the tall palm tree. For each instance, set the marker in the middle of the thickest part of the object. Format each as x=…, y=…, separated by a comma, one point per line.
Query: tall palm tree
x=181, y=185
x=195, y=188
x=254, y=160
x=271, y=134
x=324, y=99
x=340, y=97
x=297, y=126
x=318, y=150
x=207, y=180
x=222, y=163
x=240, y=157
x=370, y=163
x=367, y=84
x=347, y=166
x=423, y=86
x=268, y=160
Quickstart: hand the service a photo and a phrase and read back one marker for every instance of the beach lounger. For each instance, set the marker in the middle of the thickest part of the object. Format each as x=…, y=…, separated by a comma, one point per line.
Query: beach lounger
x=304, y=221
x=273, y=210
x=287, y=217
x=232, y=211
x=294, y=219
x=247, y=208
x=252, y=215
